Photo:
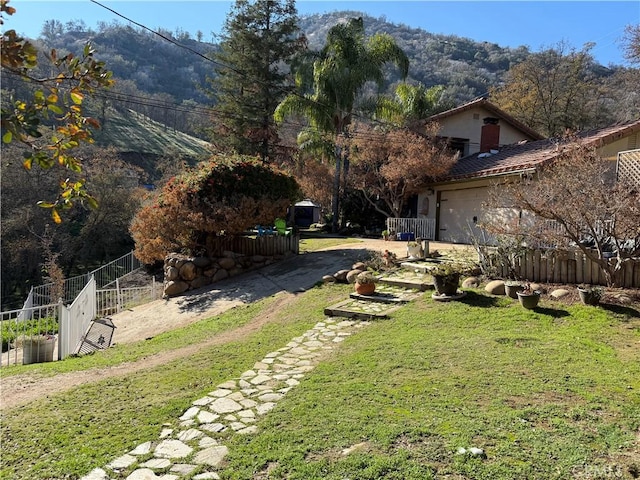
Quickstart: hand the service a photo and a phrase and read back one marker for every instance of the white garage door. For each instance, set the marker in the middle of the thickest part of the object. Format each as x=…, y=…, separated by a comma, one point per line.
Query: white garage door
x=460, y=212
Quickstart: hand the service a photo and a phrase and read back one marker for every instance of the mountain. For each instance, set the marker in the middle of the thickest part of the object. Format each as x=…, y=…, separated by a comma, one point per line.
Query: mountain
x=146, y=63
x=165, y=79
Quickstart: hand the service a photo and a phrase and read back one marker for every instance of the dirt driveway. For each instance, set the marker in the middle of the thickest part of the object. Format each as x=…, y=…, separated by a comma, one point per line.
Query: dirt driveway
x=284, y=279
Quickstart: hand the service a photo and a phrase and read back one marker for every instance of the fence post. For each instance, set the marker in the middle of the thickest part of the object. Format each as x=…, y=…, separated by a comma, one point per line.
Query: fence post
x=118, y=296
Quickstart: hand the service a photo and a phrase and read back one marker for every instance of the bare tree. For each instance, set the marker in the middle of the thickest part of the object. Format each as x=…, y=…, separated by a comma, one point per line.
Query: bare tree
x=575, y=201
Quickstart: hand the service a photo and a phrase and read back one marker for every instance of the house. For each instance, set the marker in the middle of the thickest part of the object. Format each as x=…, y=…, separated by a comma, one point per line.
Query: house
x=453, y=207
x=475, y=127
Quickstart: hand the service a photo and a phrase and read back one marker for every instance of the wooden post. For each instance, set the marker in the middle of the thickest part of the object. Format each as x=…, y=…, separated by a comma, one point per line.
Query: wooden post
x=571, y=270
x=579, y=266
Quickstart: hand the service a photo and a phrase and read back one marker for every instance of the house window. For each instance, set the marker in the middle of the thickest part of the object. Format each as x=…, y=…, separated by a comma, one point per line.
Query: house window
x=460, y=145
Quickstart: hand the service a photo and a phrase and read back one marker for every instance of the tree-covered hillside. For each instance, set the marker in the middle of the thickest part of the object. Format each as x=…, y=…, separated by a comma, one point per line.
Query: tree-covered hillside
x=155, y=76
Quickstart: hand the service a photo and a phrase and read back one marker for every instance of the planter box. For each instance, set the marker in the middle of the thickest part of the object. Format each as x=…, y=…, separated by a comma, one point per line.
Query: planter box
x=38, y=351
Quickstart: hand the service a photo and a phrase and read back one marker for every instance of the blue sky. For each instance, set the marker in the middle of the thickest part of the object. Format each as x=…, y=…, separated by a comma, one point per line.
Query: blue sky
x=536, y=24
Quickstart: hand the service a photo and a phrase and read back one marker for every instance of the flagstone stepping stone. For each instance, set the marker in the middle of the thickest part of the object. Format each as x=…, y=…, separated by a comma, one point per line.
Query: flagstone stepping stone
x=211, y=456
x=225, y=405
x=172, y=449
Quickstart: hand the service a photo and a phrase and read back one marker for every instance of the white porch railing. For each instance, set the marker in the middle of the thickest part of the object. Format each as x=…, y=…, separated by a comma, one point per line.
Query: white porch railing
x=424, y=228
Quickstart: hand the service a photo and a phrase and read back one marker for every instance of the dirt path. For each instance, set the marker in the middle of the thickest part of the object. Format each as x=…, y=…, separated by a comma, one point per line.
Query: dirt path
x=20, y=389
x=145, y=321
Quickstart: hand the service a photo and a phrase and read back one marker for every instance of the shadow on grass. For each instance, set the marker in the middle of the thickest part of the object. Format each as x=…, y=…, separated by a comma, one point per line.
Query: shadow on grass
x=479, y=300
x=621, y=310
x=552, y=312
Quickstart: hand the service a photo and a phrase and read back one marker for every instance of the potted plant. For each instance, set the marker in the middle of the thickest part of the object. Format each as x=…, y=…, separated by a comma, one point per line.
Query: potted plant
x=37, y=348
x=365, y=283
x=590, y=295
x=512, y=287
x=446, y=278
x=528, y=297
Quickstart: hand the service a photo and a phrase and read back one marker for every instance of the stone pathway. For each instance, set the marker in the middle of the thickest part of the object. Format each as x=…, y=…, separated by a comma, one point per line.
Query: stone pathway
x=192, y=446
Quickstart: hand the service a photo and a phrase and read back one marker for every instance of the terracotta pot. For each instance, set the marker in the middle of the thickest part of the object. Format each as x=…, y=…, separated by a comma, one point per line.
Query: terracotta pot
x=365, y=288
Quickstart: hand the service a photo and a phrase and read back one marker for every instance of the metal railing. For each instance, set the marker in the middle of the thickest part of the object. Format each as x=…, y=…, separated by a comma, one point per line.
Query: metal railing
x=114, y=300
x=104, y=276
x=424, y=228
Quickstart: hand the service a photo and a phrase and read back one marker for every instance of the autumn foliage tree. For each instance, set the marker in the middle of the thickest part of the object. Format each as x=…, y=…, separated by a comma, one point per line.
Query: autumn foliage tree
x=56, y=99
x=575, y=202
x=391, y=165
x=222, y=196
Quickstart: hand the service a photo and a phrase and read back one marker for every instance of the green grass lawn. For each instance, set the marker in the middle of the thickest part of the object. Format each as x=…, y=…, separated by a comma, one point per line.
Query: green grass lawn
x=546, y=394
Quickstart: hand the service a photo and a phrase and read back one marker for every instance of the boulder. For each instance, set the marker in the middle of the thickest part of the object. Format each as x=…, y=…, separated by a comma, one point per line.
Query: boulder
x=188, y=271
x=359, y=266
x=341, y=275
x=328, y=279
x=495, y=287
x=559, y=293
x=226, y=263
x=538, y=287
x=210, y=272
x=171, y=273
x=175, y=287
x=202, y=262
x=471, y=282
x=351, y=276
x=258, y=259
x=220, y=275
x=200, y=282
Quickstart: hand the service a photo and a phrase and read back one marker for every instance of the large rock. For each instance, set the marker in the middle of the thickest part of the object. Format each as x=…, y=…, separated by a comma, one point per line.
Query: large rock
x=220, y=275
x=227, y=263
x=171, y=273
x=471, y=282
x=200, y=281
x=328, y=279
x=341, y=275
x=495, y=287
x=351, y=276
x=175, y=287
x=188, y=271
x=560, y=292
x=202, y=262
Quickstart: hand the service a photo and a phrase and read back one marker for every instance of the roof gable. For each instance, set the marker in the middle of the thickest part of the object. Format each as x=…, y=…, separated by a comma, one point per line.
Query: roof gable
x=494, y=110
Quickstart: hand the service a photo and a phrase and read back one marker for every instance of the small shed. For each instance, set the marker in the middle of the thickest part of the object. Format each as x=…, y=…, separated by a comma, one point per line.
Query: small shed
x=306, y=213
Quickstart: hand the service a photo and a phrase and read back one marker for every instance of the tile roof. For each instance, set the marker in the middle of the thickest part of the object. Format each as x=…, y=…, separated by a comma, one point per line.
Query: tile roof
x=529, y=155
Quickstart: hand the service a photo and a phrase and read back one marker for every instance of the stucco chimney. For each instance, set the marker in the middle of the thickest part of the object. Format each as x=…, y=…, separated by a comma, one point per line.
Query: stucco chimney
x=490, y=135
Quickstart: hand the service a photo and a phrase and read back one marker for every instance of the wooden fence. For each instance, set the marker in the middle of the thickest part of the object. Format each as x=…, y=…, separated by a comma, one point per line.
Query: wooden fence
x=266, y=245
x=567, y=266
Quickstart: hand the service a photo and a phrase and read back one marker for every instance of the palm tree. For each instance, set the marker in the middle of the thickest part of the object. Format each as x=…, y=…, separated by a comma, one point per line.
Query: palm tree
x=332, y=80
x=411, y=105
